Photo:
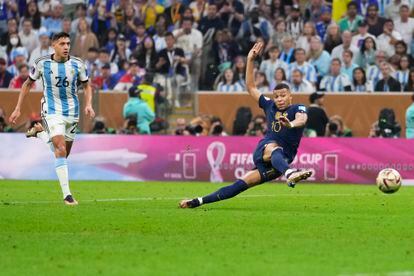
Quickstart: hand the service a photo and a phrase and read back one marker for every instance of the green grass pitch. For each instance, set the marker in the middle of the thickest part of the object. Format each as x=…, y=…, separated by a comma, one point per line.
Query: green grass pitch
x=132, y=228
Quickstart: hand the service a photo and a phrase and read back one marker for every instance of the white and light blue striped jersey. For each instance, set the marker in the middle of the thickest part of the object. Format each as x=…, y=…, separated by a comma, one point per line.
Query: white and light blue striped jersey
x=335, y=83
x=235, y=87
x=402, y=77
x=374, y=74
x=60, y=84
x=307, y=69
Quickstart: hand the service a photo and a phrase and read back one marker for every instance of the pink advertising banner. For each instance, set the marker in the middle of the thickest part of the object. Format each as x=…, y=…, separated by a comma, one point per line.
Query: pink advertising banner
x=216, y=159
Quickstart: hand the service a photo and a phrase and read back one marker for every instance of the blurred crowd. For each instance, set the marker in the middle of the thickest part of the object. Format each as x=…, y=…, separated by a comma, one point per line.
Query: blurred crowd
x=201, y=44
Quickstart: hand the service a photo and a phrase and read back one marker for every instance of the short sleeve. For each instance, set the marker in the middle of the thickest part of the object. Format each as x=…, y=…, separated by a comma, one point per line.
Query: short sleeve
x=34, y=72
x=264, y=102
x=300, y=108
x=83, y=73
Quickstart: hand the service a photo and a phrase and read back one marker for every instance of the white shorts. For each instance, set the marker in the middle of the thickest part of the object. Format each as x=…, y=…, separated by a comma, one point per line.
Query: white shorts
x=60, y=125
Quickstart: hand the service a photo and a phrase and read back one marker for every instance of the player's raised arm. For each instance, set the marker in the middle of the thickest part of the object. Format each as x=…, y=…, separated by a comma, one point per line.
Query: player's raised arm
x=251, y=86
x=25, y=90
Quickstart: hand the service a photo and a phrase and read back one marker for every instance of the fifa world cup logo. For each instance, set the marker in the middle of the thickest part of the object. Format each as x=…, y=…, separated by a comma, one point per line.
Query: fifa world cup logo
x=215, y=160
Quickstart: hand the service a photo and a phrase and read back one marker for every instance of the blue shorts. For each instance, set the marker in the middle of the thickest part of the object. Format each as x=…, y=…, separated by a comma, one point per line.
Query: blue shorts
x=267, y=172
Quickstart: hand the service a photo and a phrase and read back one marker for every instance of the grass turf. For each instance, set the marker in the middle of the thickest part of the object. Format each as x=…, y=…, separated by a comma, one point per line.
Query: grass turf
x=138, y=229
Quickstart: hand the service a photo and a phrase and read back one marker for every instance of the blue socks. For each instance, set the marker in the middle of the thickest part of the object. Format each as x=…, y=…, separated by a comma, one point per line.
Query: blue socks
x=278, y=162
x=225, y=192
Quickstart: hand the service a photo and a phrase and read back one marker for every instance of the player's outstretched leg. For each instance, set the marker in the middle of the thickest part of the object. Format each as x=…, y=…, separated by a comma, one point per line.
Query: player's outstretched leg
x=37, y=131
x=249, y=180
x=293, y=176
x=61, y=168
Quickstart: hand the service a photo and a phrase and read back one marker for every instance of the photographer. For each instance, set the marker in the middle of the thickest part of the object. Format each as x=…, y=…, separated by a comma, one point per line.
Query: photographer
x=257, y=127
x=336, y=128
x=386, y=126
x=217, y=128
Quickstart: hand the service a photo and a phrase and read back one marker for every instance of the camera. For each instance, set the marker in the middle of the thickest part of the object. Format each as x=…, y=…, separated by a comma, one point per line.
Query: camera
x=194, y=130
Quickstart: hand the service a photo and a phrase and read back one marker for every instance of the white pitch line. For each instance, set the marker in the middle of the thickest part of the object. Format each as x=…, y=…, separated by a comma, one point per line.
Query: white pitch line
x=2, y=202
x=393, y=273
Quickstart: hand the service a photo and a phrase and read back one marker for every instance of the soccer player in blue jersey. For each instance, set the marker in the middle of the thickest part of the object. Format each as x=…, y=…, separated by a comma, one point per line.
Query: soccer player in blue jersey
x=62, y=75
x=277, y=149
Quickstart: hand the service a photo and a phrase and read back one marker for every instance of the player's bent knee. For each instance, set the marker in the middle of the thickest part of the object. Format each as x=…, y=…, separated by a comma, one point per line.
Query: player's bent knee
x=60, y=150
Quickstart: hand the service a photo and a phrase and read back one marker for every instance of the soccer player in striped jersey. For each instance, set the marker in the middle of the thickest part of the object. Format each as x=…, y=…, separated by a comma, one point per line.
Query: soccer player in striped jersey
x=62, y=75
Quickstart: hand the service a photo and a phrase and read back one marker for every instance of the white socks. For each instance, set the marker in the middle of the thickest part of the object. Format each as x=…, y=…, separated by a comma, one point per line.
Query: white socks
x=61, y=168
x=289, y=171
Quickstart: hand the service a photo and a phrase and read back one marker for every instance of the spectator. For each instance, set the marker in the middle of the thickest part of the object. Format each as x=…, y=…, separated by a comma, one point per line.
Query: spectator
x=394, y=7
x=375, y=22
x=147, y=56
x=403, y=73
x=110, y=39
x=333, y=37
x=336, y=81
x=191, y=41
x=224, y=47
x=120, y=52
x=410, y=84
x=373, y=72
x=387, y=83
x=358, y=39
x=363, y=6
x=201, y=8
x=401, y=50
x=239, y=69
x=140, y=109
x=294, y=23
x=232, y=14
x=388, y=39
x=348, y=66
x=32, y=13
x=84, y=40
x=5, y=76
x=346, y=45
x=217, y=127
x=136, y=36
x=337, y=128
x=288, y=51
x=181, y=127
x=360, y=82
x=303, y=41
x=43, y=49
x=313, y=10
x=131, y=78
x=317, y=118
x=174, y=12
x=366, y=55
x=14, y=43
x=326, y=20
x=45, y=7
x=169, y=67
x=279, y=77
x=150, y=11
x=306, y=68
x=404, y=24
x=211, y=22
x=352, y=20
x=17, y=81
x=318, y=57
x=409, y=120
x=278, y=34
x=229, y=82
x=19, y=56
x=130, y=126
x=54, y=23
x=99, y=127
x=161, y=30
x=104, y=57
x=80, y=13
x=270, y=65
x=253, y=27
x=67, y=28
x=299, y=84
x=261, y=82
x=105, y=80
x=11, y=29
x=91, y=62
x=28, y=37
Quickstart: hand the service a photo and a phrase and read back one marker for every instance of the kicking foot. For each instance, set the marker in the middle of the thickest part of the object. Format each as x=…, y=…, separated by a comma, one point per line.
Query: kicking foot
x=189, y=203
x=297, y=176
x=33, y=131
x=69, y=200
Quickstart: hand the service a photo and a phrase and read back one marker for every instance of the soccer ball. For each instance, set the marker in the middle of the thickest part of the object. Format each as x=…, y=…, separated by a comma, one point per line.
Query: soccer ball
x=389, y=181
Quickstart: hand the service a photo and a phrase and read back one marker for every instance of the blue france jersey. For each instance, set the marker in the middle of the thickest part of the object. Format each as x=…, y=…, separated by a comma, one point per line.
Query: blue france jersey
x=60, y=84
x=288, y=139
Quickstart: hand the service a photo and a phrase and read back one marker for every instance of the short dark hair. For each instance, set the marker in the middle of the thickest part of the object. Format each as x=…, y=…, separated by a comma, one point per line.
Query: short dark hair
x=373, y=5
x=300, y=50
x=21, y=66
x=170, y=34
x=352, y=4
x=282, y=86
x=336, y=60
x=59, y=35
x=93, y=49
x=188, y=18
x=388, y=20
x=104, y=50
x=349, y=52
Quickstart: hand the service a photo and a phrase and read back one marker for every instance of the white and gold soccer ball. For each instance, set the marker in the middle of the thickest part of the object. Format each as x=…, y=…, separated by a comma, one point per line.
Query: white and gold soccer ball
x=389, y=181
